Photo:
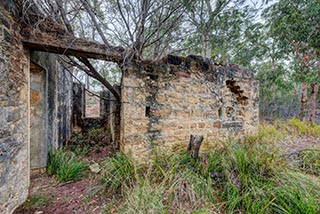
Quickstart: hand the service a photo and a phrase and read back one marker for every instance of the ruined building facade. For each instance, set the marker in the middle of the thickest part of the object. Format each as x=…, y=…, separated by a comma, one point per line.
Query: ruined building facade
x=162, y=104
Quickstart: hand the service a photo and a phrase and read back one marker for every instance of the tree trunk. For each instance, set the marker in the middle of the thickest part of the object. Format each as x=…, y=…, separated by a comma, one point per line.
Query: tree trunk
x=194, y=145
x=206, y=46
x=304, y=89
x=313, y=101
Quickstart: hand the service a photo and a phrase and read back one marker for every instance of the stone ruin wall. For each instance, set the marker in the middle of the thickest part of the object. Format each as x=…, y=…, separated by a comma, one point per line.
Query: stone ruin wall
x=14, y=118
x=163, y=105
x=109, y=117
x=17, y=154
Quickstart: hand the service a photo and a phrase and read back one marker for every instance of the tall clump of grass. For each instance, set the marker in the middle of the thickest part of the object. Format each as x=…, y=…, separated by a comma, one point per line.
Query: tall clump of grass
x=119, y=173
x=185, y=187
x=145, y=197
x=295, y=192
x=169, y=184
x=253, y=181
x=65, y=165
x=242, y=175
x=309, y=161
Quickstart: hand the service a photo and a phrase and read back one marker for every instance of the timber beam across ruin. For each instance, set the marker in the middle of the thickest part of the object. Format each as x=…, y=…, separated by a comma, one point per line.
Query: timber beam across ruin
x=69, y=45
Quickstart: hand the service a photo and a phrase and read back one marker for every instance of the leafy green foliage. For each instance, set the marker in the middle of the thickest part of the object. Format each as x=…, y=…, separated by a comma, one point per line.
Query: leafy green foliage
x=81, y=144
x=78, y=144
x=294, y=26
x=92, y=133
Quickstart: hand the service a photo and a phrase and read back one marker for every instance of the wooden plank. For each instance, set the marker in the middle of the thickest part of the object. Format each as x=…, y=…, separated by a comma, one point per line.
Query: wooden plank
x=69, y=45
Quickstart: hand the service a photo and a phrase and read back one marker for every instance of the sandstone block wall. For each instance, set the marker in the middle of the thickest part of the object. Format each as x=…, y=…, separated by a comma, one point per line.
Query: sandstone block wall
x=51, y=96
x=163, y=105
x=14, y=117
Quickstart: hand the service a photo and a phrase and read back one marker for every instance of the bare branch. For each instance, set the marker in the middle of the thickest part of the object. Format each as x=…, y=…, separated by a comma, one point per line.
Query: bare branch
x=93, y=19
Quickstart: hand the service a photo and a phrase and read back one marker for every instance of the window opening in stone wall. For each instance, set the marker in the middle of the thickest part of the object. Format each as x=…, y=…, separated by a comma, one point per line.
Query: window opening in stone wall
x=148, y=111
x=220, y=112
x=92, y=104
x=93, y=88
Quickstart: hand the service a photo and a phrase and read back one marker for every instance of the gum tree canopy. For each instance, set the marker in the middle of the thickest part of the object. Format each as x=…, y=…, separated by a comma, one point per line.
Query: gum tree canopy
x=294, y=25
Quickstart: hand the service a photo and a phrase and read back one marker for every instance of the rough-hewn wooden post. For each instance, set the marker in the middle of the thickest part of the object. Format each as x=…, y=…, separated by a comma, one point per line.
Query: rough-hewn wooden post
x=194, y=145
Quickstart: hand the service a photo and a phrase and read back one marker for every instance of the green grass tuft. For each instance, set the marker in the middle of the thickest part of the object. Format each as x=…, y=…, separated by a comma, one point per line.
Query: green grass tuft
x=119, y=173
x=65, y=165
x=38, y=200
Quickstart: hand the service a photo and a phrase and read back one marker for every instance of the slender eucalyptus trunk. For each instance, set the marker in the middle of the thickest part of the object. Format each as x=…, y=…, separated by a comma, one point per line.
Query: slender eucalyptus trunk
x=206, y=46
x=304, y=89
x=313, y=101
x=275, y=71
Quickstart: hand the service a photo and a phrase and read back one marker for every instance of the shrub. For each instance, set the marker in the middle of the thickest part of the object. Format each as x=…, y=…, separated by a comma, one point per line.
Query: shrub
x=78, y=143
x=94, y=132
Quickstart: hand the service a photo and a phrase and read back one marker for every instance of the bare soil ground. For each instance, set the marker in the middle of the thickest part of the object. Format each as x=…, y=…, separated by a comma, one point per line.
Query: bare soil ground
x=63, y=198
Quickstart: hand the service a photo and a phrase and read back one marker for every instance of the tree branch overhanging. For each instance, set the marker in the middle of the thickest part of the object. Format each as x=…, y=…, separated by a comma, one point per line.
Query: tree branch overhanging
x=49, y=36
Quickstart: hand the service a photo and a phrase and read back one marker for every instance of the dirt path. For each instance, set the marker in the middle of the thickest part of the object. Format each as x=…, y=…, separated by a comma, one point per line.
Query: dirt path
x=48, y=196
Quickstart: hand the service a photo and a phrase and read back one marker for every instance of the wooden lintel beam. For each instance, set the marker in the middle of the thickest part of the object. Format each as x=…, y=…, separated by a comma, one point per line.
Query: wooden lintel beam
x=71, y=51
x=73, y=47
